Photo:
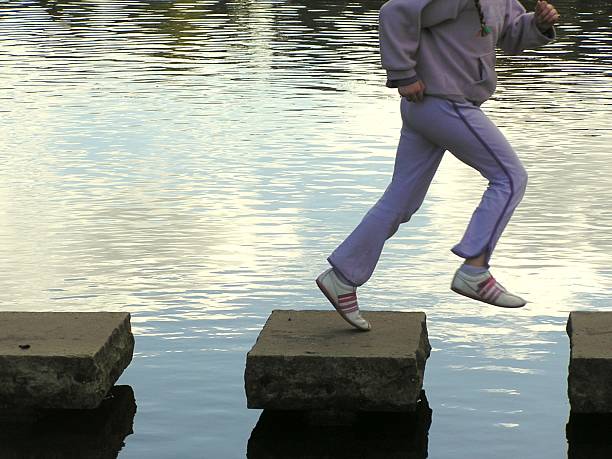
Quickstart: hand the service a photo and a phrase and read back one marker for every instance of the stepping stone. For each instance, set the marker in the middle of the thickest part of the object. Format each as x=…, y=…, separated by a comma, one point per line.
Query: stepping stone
x=590, y=367
x=67, y=360
x=314, y=360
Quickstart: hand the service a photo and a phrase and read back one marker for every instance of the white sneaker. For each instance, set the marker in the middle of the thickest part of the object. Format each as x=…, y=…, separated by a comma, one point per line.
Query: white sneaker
x=484, y=287
x=343, y=298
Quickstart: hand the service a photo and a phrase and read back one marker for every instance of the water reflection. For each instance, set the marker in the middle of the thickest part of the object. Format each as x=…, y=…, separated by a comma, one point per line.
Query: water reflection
x=288, y=435
x=314, y=32
x=194, y=162
x=93, y=434
x=589, y=436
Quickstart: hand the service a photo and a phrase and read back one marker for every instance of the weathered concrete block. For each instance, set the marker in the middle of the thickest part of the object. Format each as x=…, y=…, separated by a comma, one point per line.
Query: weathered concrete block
x=61, y=359
x=590, y=367
x=314, y=360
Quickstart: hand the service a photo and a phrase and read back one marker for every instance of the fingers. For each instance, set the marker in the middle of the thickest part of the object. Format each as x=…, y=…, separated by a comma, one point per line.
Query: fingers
x=416, y=97
x=538, y=7
x=413, y=92
x=421, y=93
x=546, y=13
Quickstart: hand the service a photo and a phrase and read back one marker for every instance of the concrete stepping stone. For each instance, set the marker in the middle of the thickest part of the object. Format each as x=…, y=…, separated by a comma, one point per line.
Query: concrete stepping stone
x=61, y=360
x=314, y=360
x=590, y=367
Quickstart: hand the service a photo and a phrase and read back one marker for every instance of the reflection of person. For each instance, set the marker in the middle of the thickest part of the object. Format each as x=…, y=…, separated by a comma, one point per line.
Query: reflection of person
x=440, y=54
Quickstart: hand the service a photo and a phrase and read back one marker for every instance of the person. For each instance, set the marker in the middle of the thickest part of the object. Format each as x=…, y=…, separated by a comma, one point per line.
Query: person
x=440, y=55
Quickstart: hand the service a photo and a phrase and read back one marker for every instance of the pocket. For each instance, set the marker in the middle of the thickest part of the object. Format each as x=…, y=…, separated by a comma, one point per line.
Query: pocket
x=486, y=67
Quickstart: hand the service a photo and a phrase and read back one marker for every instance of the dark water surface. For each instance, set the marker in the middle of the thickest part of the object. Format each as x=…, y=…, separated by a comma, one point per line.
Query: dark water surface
x=194, y=162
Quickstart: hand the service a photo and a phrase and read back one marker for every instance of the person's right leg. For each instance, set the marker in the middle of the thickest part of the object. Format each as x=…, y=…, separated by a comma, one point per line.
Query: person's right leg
x=416, y=162
x=354, y=260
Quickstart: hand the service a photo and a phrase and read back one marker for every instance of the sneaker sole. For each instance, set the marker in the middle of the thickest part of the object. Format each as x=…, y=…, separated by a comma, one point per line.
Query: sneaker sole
x=329, y=297
x=460, y=292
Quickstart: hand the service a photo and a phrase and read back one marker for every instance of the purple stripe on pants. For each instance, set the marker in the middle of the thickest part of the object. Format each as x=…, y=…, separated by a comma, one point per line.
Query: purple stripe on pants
x=429, y=128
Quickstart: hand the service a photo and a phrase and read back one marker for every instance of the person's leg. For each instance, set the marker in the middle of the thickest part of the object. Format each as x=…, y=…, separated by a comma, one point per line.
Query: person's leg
x=416, y=162
x=507, y=182
x=474, y=139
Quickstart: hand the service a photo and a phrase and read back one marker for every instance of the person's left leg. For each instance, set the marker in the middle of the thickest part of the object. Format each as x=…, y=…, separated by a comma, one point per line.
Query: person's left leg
x=474, y=139
x=507, y=180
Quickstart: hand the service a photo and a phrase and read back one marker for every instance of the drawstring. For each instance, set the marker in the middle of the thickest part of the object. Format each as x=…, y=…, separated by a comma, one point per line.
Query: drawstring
x=484, y=28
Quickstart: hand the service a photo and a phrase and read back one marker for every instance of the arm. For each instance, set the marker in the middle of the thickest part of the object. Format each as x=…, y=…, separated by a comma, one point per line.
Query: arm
x=520, y=30
x=400, y=24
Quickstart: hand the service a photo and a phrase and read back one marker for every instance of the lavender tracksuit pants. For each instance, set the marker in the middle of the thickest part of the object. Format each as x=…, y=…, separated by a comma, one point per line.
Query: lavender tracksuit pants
x=429, y=128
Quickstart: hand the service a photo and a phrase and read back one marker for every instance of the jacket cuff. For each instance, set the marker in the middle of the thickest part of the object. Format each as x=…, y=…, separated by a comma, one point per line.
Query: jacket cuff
x=397, y=78
x=550, y=33
x=543, y=37
x=400, y=74
x=402, y=82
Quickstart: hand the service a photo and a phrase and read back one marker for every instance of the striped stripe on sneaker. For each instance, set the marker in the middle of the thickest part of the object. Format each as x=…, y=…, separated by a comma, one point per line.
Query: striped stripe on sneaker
x=343, y=298
x=348, y=302
x=484, y=287
x=489, y=289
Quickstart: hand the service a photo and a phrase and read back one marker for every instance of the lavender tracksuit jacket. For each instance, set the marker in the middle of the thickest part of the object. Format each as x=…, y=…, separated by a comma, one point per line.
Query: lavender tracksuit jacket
x=439, y=42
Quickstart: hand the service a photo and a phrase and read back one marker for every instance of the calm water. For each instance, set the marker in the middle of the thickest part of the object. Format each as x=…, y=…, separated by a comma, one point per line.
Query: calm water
x=194, y=162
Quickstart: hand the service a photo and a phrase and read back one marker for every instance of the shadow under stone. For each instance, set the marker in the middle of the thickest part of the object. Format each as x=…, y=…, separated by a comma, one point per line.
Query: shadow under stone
x=97, y=433
x=589, y=436
x=369, y=435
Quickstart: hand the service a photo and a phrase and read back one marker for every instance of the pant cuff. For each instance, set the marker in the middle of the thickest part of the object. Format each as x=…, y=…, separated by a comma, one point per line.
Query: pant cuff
x=348, y=279
x=462, y=254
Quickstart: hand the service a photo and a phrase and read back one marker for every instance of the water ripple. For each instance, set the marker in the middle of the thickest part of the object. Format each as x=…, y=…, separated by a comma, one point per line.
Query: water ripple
x=195, y=162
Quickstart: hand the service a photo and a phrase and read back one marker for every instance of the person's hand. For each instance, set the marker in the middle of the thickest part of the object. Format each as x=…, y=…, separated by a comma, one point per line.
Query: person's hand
x=413, y=92
x=545, y=15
